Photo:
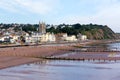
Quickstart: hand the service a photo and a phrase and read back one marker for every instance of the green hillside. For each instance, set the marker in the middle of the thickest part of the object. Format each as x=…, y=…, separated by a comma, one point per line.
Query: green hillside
x=93, y=31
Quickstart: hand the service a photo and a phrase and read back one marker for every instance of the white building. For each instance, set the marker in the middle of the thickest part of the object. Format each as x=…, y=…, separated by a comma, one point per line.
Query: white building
x=48, y=37
x=38, y=37
x=69, y=38
x=5, y=38
x=14, y=38
x=1, y=38
x=34, y=38
x=52, y=37
x=81, y=37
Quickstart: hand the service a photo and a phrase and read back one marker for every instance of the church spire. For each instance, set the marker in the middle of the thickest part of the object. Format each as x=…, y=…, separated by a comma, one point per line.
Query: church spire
x=42, y=27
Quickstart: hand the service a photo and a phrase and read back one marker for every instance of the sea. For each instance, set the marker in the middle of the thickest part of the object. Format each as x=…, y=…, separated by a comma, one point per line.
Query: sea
x=65, y=70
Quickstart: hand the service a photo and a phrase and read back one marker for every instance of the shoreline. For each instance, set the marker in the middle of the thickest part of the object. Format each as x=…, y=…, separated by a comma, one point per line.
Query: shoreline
x=87, y=42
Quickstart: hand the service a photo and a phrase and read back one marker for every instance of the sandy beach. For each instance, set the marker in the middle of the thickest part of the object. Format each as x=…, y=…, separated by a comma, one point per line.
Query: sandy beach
x=13, y=56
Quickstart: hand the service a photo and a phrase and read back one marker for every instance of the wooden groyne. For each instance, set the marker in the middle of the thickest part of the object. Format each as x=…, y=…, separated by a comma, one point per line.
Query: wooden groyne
x=84, y=59
x=87, y=56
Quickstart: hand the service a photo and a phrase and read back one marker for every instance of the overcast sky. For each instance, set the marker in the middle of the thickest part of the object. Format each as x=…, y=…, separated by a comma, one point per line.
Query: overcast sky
x=105, y=12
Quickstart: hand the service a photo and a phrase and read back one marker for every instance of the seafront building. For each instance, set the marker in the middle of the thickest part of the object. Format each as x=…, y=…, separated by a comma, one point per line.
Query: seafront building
x=48, y=37
x=81, y=37
x=65, y=37
x=69, y=38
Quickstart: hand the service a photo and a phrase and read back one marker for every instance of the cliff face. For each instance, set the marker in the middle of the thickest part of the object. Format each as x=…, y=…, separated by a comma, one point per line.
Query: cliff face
x=94, y=31
x=100, y=33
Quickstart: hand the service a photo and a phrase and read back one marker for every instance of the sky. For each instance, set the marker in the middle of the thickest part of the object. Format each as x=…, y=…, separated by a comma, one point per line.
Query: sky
x=103, y=12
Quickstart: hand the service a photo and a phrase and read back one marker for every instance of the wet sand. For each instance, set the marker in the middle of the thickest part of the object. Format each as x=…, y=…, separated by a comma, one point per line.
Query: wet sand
x=10, y=61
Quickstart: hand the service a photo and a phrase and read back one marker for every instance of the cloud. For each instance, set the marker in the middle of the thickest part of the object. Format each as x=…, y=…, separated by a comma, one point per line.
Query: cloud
x=8, y=5
x=32, y=6
x=107, y=12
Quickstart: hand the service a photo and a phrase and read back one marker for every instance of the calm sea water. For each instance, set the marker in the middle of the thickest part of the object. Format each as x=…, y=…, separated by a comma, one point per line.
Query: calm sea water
x=65, y=70
x=109, y=46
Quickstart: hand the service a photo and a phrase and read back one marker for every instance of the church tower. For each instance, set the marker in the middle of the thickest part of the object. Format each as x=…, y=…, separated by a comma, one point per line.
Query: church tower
x=42, y=28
